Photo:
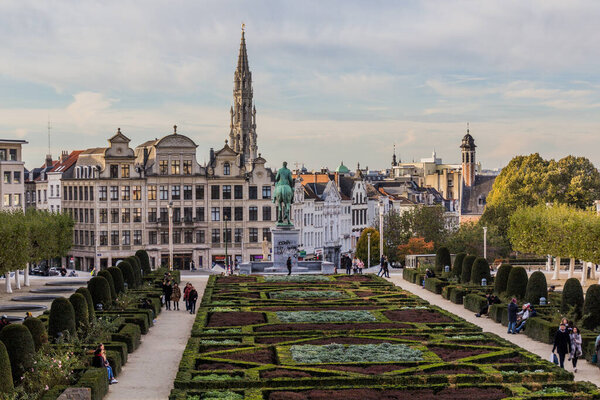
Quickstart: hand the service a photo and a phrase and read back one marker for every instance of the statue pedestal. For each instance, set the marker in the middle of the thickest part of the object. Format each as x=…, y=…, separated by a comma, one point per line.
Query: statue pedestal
x=285, y=244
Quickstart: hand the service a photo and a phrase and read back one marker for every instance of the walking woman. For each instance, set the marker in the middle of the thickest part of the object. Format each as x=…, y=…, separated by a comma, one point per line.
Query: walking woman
x=575, y=347
x=562, y=343
x=176, y=296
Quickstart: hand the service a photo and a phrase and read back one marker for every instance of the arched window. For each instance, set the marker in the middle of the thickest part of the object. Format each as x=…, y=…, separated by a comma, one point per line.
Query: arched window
x=226, y=169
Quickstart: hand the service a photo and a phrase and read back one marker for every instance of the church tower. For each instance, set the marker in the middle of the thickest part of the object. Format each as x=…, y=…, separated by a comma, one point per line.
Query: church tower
x=242, y=134
x=468, y=159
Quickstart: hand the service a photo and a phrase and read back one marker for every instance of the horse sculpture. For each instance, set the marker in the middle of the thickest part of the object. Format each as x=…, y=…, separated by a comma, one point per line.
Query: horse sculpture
x=284, y=195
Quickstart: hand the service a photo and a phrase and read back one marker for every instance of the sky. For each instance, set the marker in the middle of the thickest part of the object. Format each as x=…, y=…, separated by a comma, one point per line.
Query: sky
x=333, y=80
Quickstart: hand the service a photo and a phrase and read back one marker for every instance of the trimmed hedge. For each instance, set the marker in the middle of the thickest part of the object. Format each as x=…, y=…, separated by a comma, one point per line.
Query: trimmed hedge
x=465, y=273
x=517, y=282
x=95, y=379
x=6, y=380
x=501, y=279
x=457, y=266
x=20, y=348
x=128, y=275
x=117, y=276
x=591, y=307
x=90, y=302
x=442, y=258
x=572, y=297
x=80, y=307
x=111, y=283
x=38, y=331
x=474, y=302
x=142, y=255
x=499, y=313
x=435, y=285
x=129, y=334
x=536, y=288
x=62, y=318
x=479, y=271
x=457, y=295
x=100, y=291
x=137, y=269
x=540, y=329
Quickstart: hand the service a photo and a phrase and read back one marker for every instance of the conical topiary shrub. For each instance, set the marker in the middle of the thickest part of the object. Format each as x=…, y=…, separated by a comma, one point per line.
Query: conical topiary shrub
x=442, y=258
x=38, y=332
x=90, y=302
x=79, y=303
x=117, y=276
x=137, y=269
x=516, y=286
x=465, y=273
x=128, y=276
x=572, y=297
x=142, y=255
x=480, y=270
x=536, y=288
x=111, y=283
x=100, y=291
x=62, y=318
x=20, y=348
x=6, y=379
x=501, y=279
x=591, y=307
x=457, y=266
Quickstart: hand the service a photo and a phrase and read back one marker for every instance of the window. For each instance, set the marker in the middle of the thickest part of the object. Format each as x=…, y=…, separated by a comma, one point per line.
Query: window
x=215, y=214
x=266, y=213
x=6, y=200
x=17, y=199
x=164, y=214
x=267, y=234
x=226, y=192
x=91, y=192
x=137, y=215
x=103, y=216
x=226, y=169
x=253, y=213
x=175, y=192
x=199, y=192
x=92, y=238
x=200, y=236
x=266, y=192
x=2, y=154
x=114, y=171
x=114, y=238
x=17, y=177
x=188, y=236
x=125, y=171
x=175, y=167
x=176, y=214
x=13, y=154
x=76, y=218
x=253, y=235
x=70, y=194
x=252, y=192
x=153, y=237
x=226, y=213
x=125, y=193
x=114, y=193
x=214, y=192
x=137, y=193
x=126, y=238
x=152, y=192
x=200, y=214
x=187, y=192
x=65, y=194
x=7, y=177
x=163, y=167
x=76, y=237
x=164, y=237
x=80, y=193
x=216, y=236
x=238, y=192
x=187, y=168
x=114, y=215
x=239, y=213
x=188, y=214
x=164, y=192
x=152, y=215
x=103, y=238
x=137, y=237
x=238, y=235
x=85, y=192
x=92, y=215
x=125, y=215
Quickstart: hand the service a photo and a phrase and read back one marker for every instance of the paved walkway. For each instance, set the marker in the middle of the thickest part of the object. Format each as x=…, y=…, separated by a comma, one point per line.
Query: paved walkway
x=585, y=370
x=151, y=369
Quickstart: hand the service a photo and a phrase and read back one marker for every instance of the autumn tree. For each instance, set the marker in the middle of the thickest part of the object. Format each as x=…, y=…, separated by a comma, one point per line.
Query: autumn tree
x=415, y=245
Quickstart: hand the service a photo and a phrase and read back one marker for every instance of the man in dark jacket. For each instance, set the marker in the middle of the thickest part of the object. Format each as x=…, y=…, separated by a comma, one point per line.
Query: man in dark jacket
x=562, y=344
x=288, y=263
x=193, y=296
x=513, y=309
x=167, y=292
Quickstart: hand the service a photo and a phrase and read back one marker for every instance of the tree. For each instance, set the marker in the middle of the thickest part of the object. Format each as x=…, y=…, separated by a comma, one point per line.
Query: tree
x=361, y=246
x=537, y=287
x=427, y=222
x=442, y=259
x=395, y=233
x=480, y=270
x=14, y=245
x=468, y=238
x=416, y=245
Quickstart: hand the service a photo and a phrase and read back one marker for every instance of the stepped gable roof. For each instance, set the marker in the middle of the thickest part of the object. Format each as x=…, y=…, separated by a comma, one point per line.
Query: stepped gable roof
x=474, y=197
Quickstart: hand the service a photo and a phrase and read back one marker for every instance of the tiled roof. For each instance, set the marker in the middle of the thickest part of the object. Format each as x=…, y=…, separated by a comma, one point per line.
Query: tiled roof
x=66, y=164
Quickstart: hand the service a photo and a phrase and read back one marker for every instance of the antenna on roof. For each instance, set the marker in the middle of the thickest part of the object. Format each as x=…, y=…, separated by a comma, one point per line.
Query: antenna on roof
x=49, y=127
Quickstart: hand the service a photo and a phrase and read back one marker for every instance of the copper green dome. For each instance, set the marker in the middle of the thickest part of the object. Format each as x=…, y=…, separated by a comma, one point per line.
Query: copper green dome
x=342, y=169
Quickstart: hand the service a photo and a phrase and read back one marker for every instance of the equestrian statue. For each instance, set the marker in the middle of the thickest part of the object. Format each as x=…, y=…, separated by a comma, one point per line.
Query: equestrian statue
x=284, y=195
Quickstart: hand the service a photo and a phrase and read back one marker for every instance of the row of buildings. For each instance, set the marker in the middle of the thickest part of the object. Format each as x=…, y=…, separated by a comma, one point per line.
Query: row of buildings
x=158, y=197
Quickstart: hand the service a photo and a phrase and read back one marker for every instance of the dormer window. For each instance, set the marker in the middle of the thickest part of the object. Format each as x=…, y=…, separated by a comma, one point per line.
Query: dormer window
x=226, y=169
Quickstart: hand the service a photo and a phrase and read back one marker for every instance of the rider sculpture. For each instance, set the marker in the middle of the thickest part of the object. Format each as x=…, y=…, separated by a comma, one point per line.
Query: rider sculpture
x=284, y=195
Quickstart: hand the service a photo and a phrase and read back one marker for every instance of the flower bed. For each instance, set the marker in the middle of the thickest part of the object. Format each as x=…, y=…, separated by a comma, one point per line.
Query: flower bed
x=307, y=294
x=336, y=353
x=325, y=316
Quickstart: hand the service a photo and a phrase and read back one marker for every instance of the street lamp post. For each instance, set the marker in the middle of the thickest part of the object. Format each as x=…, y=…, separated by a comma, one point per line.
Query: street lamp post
x=369, y=250
x=380, y=229
x=485, y=242
x=226, y=237
x=171, y=235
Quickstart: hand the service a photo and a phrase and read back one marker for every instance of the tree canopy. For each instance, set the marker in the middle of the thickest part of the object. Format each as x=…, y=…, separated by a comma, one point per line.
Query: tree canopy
x=362, y=246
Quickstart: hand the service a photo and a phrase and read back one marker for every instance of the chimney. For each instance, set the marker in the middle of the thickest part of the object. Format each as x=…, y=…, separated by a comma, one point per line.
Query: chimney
x=64, y=155
x=48, y=160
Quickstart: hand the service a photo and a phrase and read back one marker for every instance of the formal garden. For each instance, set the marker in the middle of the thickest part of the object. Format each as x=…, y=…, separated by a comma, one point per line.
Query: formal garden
x=350, y=337
x=43, y=356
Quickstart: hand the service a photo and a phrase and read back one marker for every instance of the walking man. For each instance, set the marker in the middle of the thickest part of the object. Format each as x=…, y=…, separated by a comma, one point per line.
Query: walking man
x=289, y=265
x=193, y=296
x=562, y=344
x=381, y=269
x=513, y=309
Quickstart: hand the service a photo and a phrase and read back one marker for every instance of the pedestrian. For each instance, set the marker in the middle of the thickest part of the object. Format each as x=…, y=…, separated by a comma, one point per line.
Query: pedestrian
x=193, y=296
x=167, y=292
x=575, y=347
x=192, y=266
x=288, y=263
x=360, y=265
x=347, y=264
x=186, y=293
x=562, y=344
x=522, y=317
x=4, y=322
x=100, y=361
x=386, y=267
x=512, y=315
x=381, y=270
x=175, y=296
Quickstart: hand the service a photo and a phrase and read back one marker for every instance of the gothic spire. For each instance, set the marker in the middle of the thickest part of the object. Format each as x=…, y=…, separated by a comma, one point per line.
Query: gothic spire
x=242, y=66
